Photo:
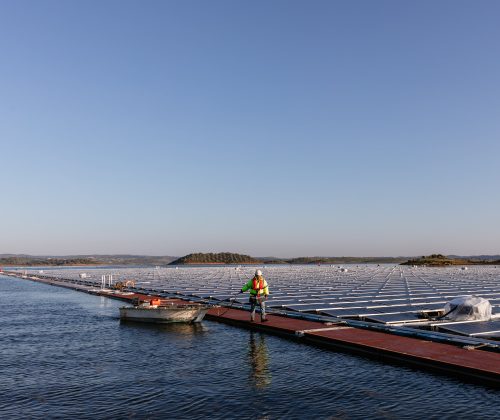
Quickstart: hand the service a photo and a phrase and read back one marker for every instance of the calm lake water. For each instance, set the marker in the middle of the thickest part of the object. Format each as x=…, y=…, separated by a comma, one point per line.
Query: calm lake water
x=65, y=354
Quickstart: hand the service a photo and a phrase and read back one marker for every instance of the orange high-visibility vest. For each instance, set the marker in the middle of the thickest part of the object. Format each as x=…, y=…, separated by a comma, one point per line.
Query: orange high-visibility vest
x=258, y=284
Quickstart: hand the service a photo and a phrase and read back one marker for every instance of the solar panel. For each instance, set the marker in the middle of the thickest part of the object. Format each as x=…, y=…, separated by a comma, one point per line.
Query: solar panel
x=473, y=329
x=395, y=318
x=305, y=307
x=340, y=312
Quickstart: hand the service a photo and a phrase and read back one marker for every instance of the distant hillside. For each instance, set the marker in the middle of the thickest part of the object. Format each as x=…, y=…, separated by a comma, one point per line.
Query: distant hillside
x=220, y=258
x=437, y=260
x=30, y=261
x=344, y=260
x=476, y=257
x=33, y=260
x=133, y=259
x=233, y=258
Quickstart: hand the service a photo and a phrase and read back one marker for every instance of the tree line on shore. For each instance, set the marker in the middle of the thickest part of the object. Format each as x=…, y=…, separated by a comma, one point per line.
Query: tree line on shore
x=234, y=258
x=216, y=258
x=436, y=260
x=24, y=261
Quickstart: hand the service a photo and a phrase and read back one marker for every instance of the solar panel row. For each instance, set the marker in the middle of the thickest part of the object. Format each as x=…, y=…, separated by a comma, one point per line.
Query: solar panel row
x=382, y=293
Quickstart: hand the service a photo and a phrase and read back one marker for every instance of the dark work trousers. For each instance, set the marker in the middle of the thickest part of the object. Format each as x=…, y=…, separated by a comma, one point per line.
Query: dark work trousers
x=254, y=301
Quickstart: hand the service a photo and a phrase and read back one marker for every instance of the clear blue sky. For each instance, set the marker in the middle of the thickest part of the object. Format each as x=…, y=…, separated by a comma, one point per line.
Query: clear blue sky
x=280, y=128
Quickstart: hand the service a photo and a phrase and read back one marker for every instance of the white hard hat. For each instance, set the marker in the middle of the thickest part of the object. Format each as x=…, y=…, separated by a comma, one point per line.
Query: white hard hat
x=258, y=273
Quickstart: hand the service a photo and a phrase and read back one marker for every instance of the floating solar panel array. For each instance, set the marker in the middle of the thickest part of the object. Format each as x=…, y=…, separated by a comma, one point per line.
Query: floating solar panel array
x=379, y=293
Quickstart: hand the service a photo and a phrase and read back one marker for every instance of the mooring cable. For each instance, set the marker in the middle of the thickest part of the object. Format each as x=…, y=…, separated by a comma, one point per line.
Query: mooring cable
x=232, y=299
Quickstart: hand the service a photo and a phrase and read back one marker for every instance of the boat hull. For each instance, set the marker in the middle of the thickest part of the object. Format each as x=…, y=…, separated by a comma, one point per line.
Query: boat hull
x=164, y=315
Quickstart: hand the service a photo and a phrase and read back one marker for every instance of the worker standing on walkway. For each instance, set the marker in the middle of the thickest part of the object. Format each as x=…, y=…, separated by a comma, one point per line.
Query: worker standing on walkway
x=259, y=291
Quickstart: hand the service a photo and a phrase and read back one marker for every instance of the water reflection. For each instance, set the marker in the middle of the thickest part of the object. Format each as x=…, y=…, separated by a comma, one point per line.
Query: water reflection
x=258, y=354
x=177, y=328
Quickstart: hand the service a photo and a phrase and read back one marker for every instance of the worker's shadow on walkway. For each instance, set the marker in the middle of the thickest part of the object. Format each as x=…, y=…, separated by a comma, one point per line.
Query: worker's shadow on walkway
x=258, y=355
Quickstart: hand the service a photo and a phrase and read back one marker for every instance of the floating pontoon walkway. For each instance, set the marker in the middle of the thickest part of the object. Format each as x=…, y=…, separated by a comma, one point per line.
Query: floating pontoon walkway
x=468, y=362
x=473, y=364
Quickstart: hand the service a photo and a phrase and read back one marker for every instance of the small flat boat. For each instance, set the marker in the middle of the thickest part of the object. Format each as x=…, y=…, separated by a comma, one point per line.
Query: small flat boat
x=164, y=313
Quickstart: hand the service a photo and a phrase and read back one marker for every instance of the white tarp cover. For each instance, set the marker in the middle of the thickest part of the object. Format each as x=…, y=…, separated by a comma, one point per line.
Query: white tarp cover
x=468, y=308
